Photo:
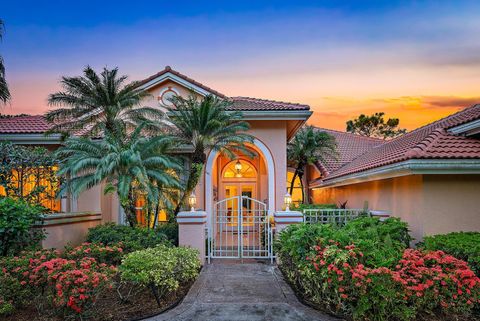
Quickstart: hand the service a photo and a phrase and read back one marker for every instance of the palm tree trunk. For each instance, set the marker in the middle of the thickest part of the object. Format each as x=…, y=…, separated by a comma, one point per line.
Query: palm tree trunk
x=128, y=205
x=300, y=176
x=292, y=183
x=193, y=178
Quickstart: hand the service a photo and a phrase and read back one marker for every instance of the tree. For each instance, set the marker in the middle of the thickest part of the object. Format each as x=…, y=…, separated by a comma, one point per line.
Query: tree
x=206, y=125
x=4, y=92
x=93, y=103
x=375, y=126
x=307, y=147
x=129, y=164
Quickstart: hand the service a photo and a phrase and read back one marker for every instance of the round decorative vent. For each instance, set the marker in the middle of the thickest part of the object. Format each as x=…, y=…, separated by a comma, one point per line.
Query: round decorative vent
x=167, y=95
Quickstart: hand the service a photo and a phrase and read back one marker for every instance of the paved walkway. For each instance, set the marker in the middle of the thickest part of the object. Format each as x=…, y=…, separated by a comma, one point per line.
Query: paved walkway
x=241, y=292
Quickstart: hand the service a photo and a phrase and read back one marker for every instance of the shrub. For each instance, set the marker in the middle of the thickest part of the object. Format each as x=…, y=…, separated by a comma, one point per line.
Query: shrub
x=108, y=254
x=462, y=245
x=17, y=218
x=170, y=230
x=339, y=270
x=301, y=207
x=71, y=286
x=162, y=268
x=132, y=239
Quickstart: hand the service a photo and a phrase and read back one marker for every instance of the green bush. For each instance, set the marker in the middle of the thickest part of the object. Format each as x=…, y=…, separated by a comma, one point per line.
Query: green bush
x=462, y=245
x=170, y=230
x=162, y=269
x=17, y=218
x=301, y=207
x=132, y=239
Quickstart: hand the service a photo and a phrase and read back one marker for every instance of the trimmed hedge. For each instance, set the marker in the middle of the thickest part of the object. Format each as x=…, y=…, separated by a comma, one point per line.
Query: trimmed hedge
x=301, y=207
x=132, y=239
x=462, y=245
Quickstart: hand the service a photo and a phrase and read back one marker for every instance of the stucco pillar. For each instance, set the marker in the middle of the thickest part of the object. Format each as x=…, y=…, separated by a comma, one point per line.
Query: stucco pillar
x=285, y=218
x=191, y=231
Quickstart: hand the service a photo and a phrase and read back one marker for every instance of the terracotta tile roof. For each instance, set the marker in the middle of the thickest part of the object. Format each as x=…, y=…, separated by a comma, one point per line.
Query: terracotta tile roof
x=254, y=104
x=432, y=141
x=349, y=147
x=23, y=125
x=176, y=73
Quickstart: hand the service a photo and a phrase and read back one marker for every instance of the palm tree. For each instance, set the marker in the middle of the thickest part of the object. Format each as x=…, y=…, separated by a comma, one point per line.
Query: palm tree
x=93, y=102
x=4, y=92
x=307, y=147
x=206, y=125
x=129, y=164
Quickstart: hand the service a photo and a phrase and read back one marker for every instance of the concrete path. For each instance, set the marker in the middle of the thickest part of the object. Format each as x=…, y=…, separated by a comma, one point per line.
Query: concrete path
x=241, y=292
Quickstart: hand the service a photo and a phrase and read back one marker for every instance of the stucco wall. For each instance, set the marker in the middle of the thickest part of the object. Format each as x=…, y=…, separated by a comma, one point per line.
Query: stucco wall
x=431, y=204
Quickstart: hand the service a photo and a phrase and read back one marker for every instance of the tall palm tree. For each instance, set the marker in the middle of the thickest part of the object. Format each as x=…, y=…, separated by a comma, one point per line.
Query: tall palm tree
x=93, y=102
x=206, y=125
x=4, y=92
x=129, y=163
x=307, y=147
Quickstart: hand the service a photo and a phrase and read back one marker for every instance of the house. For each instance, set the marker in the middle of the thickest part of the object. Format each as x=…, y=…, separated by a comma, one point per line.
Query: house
x=253, y=186
x=429, y=177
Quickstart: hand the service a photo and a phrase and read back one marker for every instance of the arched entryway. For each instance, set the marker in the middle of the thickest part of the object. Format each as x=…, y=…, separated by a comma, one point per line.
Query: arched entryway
x=239, y=198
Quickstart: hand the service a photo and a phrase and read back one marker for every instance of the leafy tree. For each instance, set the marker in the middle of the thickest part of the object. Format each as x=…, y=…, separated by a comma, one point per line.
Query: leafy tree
x=4, y=92
x=307, y=147
x=375, y=126
x=28, y=173
x=129, y=164
x=93, y=103
x=206, y=125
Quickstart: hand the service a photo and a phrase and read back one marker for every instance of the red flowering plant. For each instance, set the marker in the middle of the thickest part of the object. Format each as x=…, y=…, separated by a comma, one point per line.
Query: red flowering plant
x=421, y=282
x=435, y=280
x=108, y=254
x=73, y=286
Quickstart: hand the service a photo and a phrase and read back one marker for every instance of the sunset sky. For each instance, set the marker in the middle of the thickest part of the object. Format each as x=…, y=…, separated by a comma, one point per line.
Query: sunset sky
x=416, y=60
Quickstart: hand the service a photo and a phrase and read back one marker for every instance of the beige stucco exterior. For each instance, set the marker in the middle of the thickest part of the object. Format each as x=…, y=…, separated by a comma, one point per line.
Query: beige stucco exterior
x=431, y=204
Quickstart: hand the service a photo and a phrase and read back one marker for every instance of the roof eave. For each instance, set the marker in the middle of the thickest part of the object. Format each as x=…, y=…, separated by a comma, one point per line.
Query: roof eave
x=408, y=167
x=276, y=114
x=32, y=138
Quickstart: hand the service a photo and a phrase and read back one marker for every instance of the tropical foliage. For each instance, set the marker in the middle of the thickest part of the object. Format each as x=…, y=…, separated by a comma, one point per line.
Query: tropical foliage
x=309, y=146
x=92, y=103
x=128, y=163
x=4, y=92
x=375, y=126
x=206, y=125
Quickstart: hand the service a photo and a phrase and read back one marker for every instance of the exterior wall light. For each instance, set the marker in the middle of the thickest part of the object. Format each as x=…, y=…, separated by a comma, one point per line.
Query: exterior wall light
x=238, y=168
x=192, y=201
x=288, y=201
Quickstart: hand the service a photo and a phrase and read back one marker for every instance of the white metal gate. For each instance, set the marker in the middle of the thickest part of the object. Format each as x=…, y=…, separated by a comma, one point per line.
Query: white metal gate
x=240, y=228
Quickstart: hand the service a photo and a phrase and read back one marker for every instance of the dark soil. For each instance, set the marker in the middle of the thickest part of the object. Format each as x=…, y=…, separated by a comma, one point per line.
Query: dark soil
x=109, y=307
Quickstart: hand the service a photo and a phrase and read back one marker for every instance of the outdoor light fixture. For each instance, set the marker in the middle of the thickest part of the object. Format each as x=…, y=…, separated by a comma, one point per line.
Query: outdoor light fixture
x=288, y=201
x=238, y=168
x=192, y=201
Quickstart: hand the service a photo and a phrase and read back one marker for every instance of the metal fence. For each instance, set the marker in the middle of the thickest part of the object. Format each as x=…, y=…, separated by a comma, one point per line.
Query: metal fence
x=332, y=216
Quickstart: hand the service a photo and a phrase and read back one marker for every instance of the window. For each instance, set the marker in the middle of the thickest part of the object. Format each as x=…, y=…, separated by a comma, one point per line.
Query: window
x=297, y=188
x=239, y=169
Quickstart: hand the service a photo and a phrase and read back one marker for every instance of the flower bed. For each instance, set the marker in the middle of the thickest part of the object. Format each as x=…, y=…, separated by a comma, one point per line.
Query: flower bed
x=339, y=272
x=85, y=283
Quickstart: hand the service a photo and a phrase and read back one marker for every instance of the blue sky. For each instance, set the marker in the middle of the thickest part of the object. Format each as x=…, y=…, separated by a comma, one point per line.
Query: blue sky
x=413, y=59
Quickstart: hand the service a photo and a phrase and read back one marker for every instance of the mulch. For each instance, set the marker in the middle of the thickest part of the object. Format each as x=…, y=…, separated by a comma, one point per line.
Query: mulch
x=109, y=307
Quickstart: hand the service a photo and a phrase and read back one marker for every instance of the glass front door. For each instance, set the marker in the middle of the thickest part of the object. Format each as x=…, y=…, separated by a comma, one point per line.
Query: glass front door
x=240, y=189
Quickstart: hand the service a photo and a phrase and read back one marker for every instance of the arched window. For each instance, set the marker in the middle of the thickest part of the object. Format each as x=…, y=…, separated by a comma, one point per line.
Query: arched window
x=239, y=169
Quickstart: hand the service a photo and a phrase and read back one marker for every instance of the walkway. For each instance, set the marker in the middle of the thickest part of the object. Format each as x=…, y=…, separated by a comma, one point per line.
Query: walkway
x=241, y=292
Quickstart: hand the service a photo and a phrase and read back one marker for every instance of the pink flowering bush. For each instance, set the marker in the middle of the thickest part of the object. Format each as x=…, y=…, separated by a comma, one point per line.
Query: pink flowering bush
x=108, y=254
x=70, y=286
x=349, y=280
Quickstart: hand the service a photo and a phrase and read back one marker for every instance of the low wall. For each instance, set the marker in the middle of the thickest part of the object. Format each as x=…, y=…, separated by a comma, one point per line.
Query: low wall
x=67, y=228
